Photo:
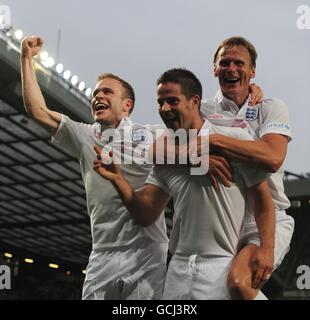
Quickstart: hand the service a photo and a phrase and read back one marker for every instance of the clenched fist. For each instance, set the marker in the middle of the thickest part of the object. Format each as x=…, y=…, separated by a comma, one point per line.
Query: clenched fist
x=31, y=46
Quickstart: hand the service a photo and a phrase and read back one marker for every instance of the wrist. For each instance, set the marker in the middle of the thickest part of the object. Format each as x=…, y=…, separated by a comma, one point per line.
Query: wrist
x=118, y=179
x=267, y=246
x=24, y=56
x=214, y=140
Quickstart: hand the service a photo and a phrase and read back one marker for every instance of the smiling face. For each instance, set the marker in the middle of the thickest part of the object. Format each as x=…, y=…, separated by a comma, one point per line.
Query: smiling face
x=234, y=70
x=108, y=103
x=175, y=109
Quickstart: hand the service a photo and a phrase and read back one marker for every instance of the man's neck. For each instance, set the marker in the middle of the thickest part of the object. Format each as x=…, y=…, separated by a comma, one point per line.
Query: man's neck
x=238, y=99
x=107, y=125
x=197, y=123
x=110, y=124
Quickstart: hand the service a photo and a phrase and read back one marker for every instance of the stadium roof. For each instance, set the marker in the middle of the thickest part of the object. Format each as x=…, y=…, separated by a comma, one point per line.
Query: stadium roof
x=42, y=197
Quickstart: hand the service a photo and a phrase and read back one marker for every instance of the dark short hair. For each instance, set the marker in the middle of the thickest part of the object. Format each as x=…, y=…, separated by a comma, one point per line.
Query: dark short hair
x=190, y=84
x=235, y=42
x=128, y=91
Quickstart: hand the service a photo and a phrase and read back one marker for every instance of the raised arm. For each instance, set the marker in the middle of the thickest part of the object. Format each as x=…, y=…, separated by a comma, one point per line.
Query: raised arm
x=33, y=99
x=269, y=151
x=264, y=214
x=144, y=205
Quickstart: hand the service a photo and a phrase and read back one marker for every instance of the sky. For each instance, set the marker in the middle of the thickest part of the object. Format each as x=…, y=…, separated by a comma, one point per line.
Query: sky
x=140, y=39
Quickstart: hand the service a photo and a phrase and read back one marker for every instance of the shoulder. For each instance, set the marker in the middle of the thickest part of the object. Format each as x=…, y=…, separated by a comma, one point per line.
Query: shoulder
x=72, y=125
x=68, y=120
x=274, y=111
x=208, y=106
x=273, y=105
x=208, y=103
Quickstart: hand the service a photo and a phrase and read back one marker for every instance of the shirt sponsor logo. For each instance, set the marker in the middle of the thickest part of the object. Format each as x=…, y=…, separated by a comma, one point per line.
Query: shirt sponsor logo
x=215, y=116
x=280, y=125
x=251, y=114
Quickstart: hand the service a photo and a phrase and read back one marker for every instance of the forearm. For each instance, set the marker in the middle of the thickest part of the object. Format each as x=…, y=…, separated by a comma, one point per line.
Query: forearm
x=33, y=98
x=258, y=152
x=264, y=214
x=135, y=202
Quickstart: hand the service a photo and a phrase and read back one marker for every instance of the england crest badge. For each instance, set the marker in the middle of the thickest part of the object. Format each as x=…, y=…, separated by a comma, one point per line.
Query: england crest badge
x=138, y=135
x=251, y=113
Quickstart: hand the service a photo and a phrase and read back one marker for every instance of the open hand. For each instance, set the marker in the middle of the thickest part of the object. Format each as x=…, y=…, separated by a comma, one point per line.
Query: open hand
x=220, y=171
x=105, y=166
x=262, y=264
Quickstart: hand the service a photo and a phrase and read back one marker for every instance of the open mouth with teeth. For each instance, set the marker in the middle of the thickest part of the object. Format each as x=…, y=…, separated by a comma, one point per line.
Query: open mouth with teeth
x=101, y=107
x=169, y=116
x=231, y=80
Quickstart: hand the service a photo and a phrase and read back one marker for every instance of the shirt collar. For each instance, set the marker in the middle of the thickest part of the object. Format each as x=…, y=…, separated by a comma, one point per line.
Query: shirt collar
x=227, y=103
x=100, y=128
x=206, y=125
x=125, y=122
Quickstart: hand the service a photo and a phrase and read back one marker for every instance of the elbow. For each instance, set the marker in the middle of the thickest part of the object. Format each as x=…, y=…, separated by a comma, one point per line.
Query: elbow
x=28, y=108
x=274, y=165
x=32, y=112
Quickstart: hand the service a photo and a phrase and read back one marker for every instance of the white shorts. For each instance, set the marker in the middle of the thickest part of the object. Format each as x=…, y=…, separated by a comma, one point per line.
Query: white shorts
x=197, y=278
x=135, y=272
x=283, y=235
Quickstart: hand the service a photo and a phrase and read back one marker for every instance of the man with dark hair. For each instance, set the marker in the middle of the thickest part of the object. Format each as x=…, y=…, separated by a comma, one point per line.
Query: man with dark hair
x=127, y=260
x=189, y=83
x=207, y=224
x=268, y=123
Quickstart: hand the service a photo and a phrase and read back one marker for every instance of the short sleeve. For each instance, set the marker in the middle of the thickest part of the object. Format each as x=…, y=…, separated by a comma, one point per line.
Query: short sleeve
x=156, y=178
x=249, y=173
x=275, y=118
x=69, y=136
